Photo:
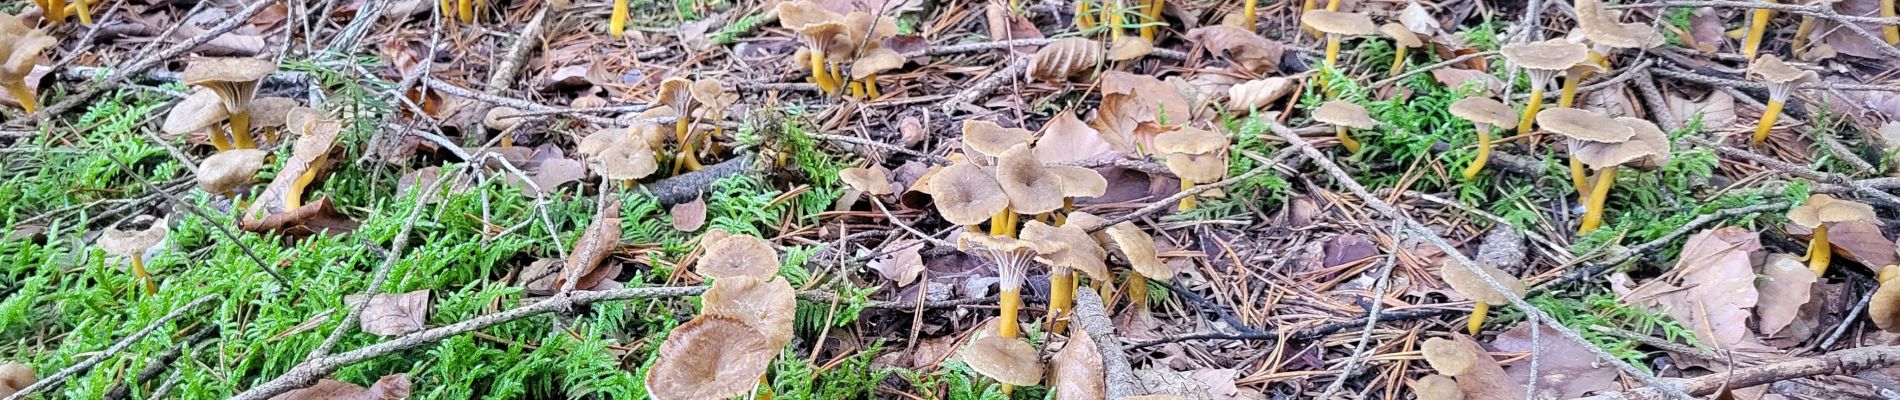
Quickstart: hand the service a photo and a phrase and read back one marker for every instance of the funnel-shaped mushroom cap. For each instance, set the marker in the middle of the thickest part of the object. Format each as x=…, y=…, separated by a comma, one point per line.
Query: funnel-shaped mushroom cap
x=966, y=195
x=1089, y=222
x=869, y=29
x=197, y=111
x=1484, y=111
x=739, y=255
x=1031, y=187
x=1400, y=34
x=272, y=112
x=709, y=358
x=1583, y=125
x=315, y=138
x=1006, y=360
x=1079, y=181
x=713, y=93
x=676, y=93
x=20, y=49
x=1648, y=149
x=300, y=119
x=224, y=171
x=598, y=142
x=1339, y=23
x=499, y=118
x=1197, y=168
x=142, y=233
x=766, y=306
x=1344, y=113
x=1472, y=285
x=994, y=243
x=1884, y=309
x=1437, y=387
x=621, y=159
x=1771, y=69
x=1548, y=55
x=798, y=14
x=234, y=78
x=1586, y=67
x=1190, y=140
x=15, y=376
x=1604, y=26
x=876, y=60
x=988, y=138
x=1448, y=357
x=1069, y=247
x=1139, y=249
x=821, y=36
x=1064, y=59
x=874, y=180
x=1821, y=209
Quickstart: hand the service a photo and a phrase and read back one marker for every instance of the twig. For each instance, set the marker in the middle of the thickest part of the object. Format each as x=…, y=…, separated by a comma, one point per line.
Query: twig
x=1147, y=167
x=1429, y=67
x=60, y=377
x=1861, y=187
x=159, y=364
x=1202, y=302
x=1802, y=9
x=1849, y=320
x=1735, y=83
x=1639, y=250
x=997, y=78
x=685, y=187
x=1658, y=106
x=930, y=158
x=1004, y=44
x=1837, y=363
x=1092, y=318
x=1359, y=353
x=524, y=105
x=1173, y=200
x=377, y=278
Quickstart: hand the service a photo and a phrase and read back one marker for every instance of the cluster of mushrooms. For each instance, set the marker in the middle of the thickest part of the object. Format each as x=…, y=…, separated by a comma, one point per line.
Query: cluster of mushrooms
x=834, y=42
x=744, y=321
x=631, y=153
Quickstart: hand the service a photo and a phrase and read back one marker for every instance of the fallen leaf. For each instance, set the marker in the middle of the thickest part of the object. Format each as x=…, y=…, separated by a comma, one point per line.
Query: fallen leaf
x=1717, y=109
x=1345, y=249
x=1258, y=94
x=1249, y=50
x=1006, y=25
x=601, y=238
x=1067, y=139
x=1717, y=286
x=395, y=314
x=1078, y=369
x=1457, y=78
x=390, y=387
x=1417, y=19
x=901, y=265
x=1567, y=369
x=689, y=216
x=1486, y=380
x=320, y=217
x=226, y=45
x=1784, y=288
x=1862, y=242
x=1705, y=30
x=1220, y=382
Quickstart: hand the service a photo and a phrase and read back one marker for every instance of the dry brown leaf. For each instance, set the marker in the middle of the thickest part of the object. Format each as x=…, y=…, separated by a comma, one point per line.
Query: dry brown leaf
x=554, y=172
x=1717, y=286
x=689, y=216
x=1006, y=25
x=395, y=314
x=1705, y=30
x=1065, y=59
x=1784, y=287
x=1567, y=370
x=1079, y=372
x=1486, y=380
x=1249, y=50
x=1862, y=242
x=1717, y=109
x=390, y=387
x=1258, y=94
x=309, y=219
x=1066, y=139
x=902, y=265
x=601, y=238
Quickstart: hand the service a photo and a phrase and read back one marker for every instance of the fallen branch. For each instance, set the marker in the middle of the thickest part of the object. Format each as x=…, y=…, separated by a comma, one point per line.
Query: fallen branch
x=688, y=186
x=1837, y=363
x=1802, y=9
x=58, y=378
x=1861, y=187
x=1092, y=317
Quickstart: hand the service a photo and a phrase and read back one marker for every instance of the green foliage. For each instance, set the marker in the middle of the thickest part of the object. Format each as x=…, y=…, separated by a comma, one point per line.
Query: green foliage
x=1606, y=310
x=1483, y=36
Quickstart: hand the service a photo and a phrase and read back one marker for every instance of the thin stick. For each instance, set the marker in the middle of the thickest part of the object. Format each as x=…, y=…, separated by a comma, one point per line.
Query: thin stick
x=60, y=377
x=1359, y=353
x=1801, y=9
x=1837, y=363
x=1429, y=67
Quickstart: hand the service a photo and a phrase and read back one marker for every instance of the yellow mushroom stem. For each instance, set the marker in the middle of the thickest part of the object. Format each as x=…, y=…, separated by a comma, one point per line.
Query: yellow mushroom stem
x=1061, y=297
x=870, y=88
x=465, y=11
x=20, y=93
x=1332, y=49
x=1345, y=139
x=1599, y=192
x=1068, y=206
x=1530, y=109
x=1768, y=117
x=1138, y=290
x=54, y=12
x=1801, y=33
x=1332, y=5
x=1188, y=203
x=1015, y=5
x=294, y=198
x=1009, y=304
x=1757, y=26
x=84, y=11
x=1820, y=252
x=765, y=388
x=1580, y=179
x=1083, y=17
x=1309, y=5
x=1249, y=17
x=139, y=273
x=241, y=130
x=215, y=134
x=688, y=158
x=1398, y=61
x=1153, y=14
x=1892, y=32
x=1004, y=223
x=270, y=134
x=617, y=24
x=1114, y=17
x=1568, y=95
x=1478, y=312
x=1484, y=153
x=857, y=89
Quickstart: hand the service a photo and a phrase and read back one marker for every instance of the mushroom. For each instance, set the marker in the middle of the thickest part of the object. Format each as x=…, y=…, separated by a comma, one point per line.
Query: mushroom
x=223, y=172
x=315, y=139
x=1337, y=26
x=15, y=376
x=1884, y=309
x=767, y=305
x=864, y=44
x=1757, y=27
x=624, y=155
x=1077, y=182
x=1402, y=39
x=676, y=93
x=966, y=195
x=616, y=22
x=874, y=180
x=1484, y=113
x=1084, y=18
x=235, y=81
x=738, y=255
x=986, y=140
x=1013, y=257
x=714, y=99
x=1031, y=187
x=1567, y=96
x=1587, y=126
x=1004, y=359
x=271, y=113
x=1344, y=115
x=1437, y=387
x=1604, y=28
x=1542, y=61
x=1819, y=212
x=1069, y=248
x=1646, y=149
x=20, y=49
x=819, y=30
x=1151, y=19
x=1890, y=32
x=1782, y=80
x=1194, y=155
x=1448, y=357
x=199, y=110
x=143, y=232
x=1482, y=295
x=1138, y=248
x=504, y=119
x=710, y=357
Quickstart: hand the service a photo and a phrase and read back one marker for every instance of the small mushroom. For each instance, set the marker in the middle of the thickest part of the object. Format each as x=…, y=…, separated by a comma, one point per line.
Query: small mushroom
x=1344, y=115
x=1070, y=249
x=1031, y=187
x=1012, y=257
x=1884, y=309
x=20, y=49
x=1757, y=29
x=1448, y=357
x=1077, y=182
x=819, y=30
x=708, y=358
x=1601, y=25
x=1568, y=94
x=315, y=139
x=1646, y=149
x=1542, y=61
x=985, y=140
x=1782, y=80
x=874, y=180
x=1483, y=296
x=223, y=172
x=1819, y=212
x=1337, y=26
x=1890, y=32
x=966, y=195
x=767, y=305
x=271, y=114
x=1004, y=359
x=1484, y=113
x=1138, y=249
x=1587, y=126
x=714, y=100
x=864, y=44
x=141, y=234
x=1402, y=39
x=199, y=110
x=235, y=80
x=618, y=154
x=1195, y=155
x=1437, y=387
x=503, y=119
x=15, y=376
x=676, y=93
x=738, y=255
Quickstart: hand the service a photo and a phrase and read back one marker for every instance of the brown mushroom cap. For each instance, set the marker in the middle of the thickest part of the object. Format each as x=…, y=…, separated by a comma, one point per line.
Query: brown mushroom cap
x=710, y=357
x=1584, y=125
x=1400, y=34
x=300, y=119
x=1771, y=69
x=1197, y=168
x=676, y=93
x=142, y=233
x=222, y=172
x=1189, y=140
x=625, y=160
x=738, y=255
x=988, y=138
x=1822, y=209
x=822, y=35
x=1088, y=222
x=1484, y=111
x=1548, y=55
x=713, y=93
x=1079, y=181
x=1139, y=249
x=498, y=118
x=15, y=376
x=1065, y=58
x=966, y=195
x=1071, y=247
x=235, y=79
x=1437, y=387
x=765, y=305
x=1471, y=285
x=1344, y=113
x=1884, y=309
x=271, y=112
x=1031, y=187
x=1448, y=357
x=798, y=14
x=1006, y=360
x=876, y=60
x=199, y=110
x=875, y=180
x=1647, y=149
x=1339, y=23
x=1603, y=26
